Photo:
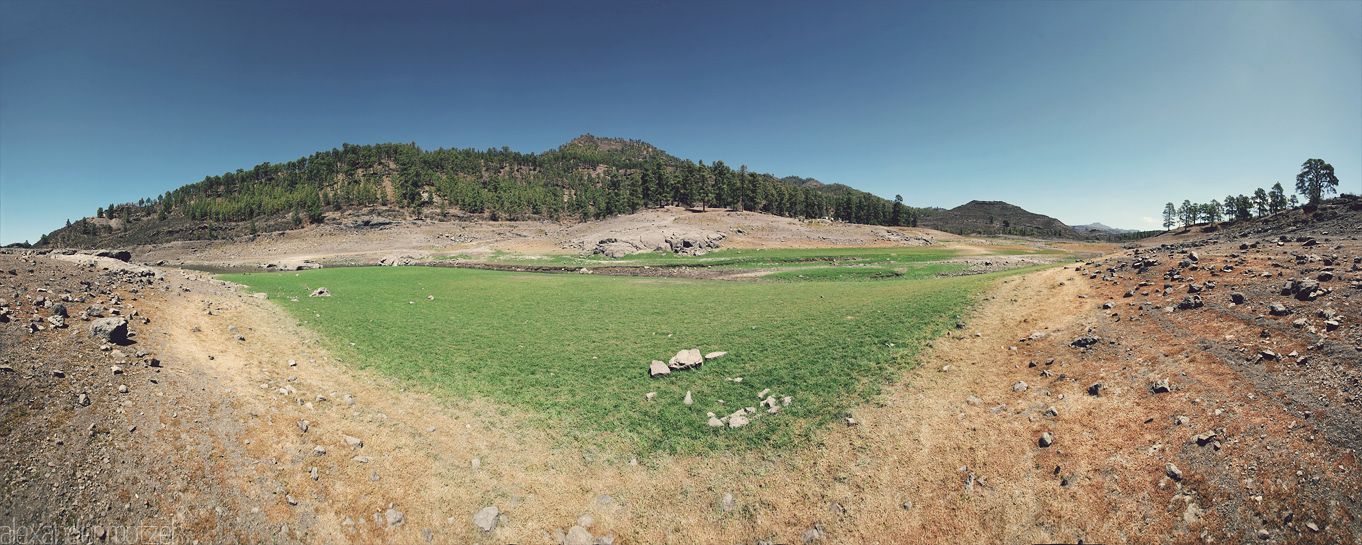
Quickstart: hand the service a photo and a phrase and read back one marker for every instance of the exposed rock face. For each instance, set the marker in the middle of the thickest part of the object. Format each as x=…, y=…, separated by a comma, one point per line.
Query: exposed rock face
x=675, y=239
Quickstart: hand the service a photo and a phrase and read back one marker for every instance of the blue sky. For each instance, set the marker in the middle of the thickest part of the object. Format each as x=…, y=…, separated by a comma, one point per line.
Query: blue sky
x=1096, y=111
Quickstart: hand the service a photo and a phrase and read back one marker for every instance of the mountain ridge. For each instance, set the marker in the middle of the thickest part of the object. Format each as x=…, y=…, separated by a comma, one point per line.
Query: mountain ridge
x=587, y=178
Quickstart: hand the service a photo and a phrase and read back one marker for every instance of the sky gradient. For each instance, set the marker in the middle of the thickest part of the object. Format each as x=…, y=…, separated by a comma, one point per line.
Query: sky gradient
x=1099, y=111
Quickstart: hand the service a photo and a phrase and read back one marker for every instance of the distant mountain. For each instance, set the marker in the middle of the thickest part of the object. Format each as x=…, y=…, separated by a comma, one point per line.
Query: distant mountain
x=996, y=218
x=585, y=179
x=1102, y=229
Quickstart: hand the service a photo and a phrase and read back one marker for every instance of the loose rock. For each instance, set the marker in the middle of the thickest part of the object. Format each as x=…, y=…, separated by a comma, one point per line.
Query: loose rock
x=486, y=518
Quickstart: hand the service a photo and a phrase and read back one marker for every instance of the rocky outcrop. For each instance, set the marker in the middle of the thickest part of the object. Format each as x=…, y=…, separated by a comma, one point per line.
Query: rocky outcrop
x=680, y=240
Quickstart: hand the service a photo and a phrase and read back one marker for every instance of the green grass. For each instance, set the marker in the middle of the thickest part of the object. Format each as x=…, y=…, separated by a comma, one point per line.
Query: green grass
x=573, y=350
x=860, y=273
x=755, y=258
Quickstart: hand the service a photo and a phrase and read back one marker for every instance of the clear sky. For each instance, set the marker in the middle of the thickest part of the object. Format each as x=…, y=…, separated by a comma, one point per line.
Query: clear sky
x=1085, y=111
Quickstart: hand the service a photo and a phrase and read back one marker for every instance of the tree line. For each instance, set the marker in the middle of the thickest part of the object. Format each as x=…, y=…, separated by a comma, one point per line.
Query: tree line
x=588, y=178
x=1315, y=180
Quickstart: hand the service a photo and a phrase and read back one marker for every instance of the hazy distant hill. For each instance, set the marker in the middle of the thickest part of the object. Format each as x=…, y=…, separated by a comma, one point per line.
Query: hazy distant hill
x=996, y=218
x=1102, y=229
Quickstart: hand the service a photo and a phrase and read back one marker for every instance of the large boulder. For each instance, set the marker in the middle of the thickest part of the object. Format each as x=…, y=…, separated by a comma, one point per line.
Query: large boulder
x=686, y=359
x=114, y=330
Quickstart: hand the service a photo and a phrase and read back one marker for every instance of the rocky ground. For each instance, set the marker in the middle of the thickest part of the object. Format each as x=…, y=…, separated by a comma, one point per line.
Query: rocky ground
x=1198, y=387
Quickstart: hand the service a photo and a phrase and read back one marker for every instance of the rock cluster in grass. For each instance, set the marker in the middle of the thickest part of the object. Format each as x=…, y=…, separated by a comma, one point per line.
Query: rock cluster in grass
x=683, y=360
x=745, y=416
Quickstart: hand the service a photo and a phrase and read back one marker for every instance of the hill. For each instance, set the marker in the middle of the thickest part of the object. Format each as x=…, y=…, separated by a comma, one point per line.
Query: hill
x=587, y=178
x=1099, y=227
x=996, y=218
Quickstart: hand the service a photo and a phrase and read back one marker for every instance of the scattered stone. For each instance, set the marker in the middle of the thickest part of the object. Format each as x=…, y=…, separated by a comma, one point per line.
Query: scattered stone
x=1160, y=386
x=1312, y=526
x=312, y=472
x=1046, y=439
x=1264, y=535
x=1173, y=471
x=1095, y=389
x=1237, y=297
x=586, y=521
x=1278, y=309
x=688, y=400
x=1085, y=341
x=114, y=330
x=728, y=503
x=737, y=421
x=320, y=292
x=1019, y=387
x=650, y=395
x=714, y=355
x=1051, y=411
x=83, y=400
x=349, y=400
x=715, y=422
x=362, y=459
x=426, y=535
x=1191, y=302
x=319, y=450
x=303, y=425
x=394, y=517
x=974, y=400
x=486, y=518
x=658, y=368
x=577, y=536
x=785, y=401
x=812, y=534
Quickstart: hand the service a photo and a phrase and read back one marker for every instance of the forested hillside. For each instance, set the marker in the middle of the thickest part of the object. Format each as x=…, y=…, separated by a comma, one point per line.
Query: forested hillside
x=587, y=178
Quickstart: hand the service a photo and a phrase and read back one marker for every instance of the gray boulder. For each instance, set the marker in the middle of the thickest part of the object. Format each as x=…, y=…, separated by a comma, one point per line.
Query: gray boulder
x=114, y=330
x=686, y=359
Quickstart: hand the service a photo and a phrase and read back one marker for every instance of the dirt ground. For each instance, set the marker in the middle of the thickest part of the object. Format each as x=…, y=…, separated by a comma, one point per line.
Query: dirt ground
x=206, y=444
